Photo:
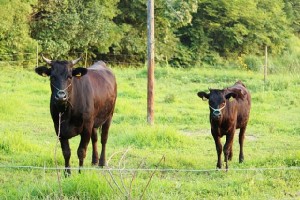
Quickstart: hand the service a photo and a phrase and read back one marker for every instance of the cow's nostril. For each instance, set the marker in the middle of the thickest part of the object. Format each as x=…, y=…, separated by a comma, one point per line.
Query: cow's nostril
x=217, y=113
x=61, y=95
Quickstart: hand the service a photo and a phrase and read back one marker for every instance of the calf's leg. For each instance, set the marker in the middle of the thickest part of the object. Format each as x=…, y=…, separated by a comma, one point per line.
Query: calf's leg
x=241, y=141
x=219, y=150
x=228, y=147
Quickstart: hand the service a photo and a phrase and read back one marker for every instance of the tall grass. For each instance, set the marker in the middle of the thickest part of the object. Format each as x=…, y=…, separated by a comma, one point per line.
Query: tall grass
x=181, y=135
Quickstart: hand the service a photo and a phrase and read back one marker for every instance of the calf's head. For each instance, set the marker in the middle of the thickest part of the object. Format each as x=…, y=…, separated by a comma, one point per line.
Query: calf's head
x=61, y=74
x=217, y=99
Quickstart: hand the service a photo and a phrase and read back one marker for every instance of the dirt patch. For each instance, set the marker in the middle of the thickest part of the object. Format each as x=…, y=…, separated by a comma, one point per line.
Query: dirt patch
x=206, y=132
x=196, y=132
x=251, y=137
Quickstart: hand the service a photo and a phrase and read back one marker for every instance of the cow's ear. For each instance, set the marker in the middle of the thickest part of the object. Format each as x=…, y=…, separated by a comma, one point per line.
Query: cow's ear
x=203, y=95
x=78, y=72
x=43, y=71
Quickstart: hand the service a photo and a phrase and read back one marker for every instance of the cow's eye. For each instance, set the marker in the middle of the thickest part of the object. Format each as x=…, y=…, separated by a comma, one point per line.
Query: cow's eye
x=52, y=78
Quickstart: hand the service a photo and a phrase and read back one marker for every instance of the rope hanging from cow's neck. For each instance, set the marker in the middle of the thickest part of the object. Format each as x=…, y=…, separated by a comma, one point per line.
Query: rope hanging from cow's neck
x=63, y=89
x=217, y=111
x=70, y=103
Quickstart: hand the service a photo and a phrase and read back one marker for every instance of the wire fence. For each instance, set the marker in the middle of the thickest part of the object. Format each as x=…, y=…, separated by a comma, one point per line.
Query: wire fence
x=34, y=59
x=44, y=168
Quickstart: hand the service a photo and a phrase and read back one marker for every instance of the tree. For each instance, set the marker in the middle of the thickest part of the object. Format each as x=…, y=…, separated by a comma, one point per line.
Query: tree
x=231, y=28
x=187, y=33
x=65, y=27
x=169, y=16
x=292, y=9
x=132, y=19
x=15, y=41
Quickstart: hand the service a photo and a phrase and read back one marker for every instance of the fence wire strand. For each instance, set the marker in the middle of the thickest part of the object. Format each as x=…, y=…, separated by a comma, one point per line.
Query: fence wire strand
x=44, y=168
x=10, y=58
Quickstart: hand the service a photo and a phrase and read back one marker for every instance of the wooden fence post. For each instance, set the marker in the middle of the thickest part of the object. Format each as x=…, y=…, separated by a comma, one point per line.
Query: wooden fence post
x=85, y=63
x=150, y=91
x=37, y=55
x=266, y=64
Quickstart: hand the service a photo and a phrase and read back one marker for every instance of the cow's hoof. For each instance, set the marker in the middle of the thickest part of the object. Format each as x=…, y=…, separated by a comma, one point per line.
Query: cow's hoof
x=67, y=173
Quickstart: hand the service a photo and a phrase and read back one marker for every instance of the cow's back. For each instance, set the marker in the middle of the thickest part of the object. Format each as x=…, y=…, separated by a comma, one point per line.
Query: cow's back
x=102, y=80
x=243, y=104
x=95, y=94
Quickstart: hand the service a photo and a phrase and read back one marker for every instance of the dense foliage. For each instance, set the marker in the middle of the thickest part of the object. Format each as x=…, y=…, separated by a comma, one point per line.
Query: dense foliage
x=62, y=27
x=15, y=40
x=187, y=33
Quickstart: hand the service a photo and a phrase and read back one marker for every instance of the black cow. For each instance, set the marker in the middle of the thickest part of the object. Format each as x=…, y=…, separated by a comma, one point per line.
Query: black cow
x=86, y=98
x=229, y=110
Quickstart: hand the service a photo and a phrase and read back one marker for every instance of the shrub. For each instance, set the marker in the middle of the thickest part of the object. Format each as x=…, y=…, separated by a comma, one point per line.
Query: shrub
x=253, y=63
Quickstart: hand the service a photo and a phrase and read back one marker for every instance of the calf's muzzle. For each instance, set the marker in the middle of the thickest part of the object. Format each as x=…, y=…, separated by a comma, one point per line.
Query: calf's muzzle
x=217, y=111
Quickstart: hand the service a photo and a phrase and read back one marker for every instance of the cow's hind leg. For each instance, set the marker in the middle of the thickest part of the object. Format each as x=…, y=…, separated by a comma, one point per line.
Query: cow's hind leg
x=94, y=137
x=241, y=141
x=230, y=154
x=104, y=136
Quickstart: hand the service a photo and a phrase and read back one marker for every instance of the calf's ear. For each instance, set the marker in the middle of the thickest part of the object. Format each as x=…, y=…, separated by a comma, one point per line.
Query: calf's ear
x=78, y=72
x=43, y=71
x=230, y=95
x=203, y=95
x=234, y=93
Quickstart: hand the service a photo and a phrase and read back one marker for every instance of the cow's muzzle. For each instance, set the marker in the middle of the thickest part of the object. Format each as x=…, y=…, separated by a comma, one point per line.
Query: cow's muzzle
x=61, y=96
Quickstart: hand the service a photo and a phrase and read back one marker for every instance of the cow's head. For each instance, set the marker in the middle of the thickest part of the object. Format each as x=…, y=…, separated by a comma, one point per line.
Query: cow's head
x=217, y=99
x=61, y=74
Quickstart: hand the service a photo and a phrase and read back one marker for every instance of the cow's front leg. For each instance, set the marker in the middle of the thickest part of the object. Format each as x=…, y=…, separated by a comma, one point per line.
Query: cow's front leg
x=84, y=141
x=219, y=150
x=228, y=148
x=67, y=154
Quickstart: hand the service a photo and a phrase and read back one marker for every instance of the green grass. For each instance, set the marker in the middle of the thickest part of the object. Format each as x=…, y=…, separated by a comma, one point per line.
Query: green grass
x=181, y=135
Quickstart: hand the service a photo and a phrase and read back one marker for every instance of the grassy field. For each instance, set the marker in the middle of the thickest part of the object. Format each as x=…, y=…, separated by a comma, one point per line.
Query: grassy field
x=179, y=145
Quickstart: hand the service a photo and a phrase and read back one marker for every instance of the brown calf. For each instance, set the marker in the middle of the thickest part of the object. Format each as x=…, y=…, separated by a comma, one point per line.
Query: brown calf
x=229, y=110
